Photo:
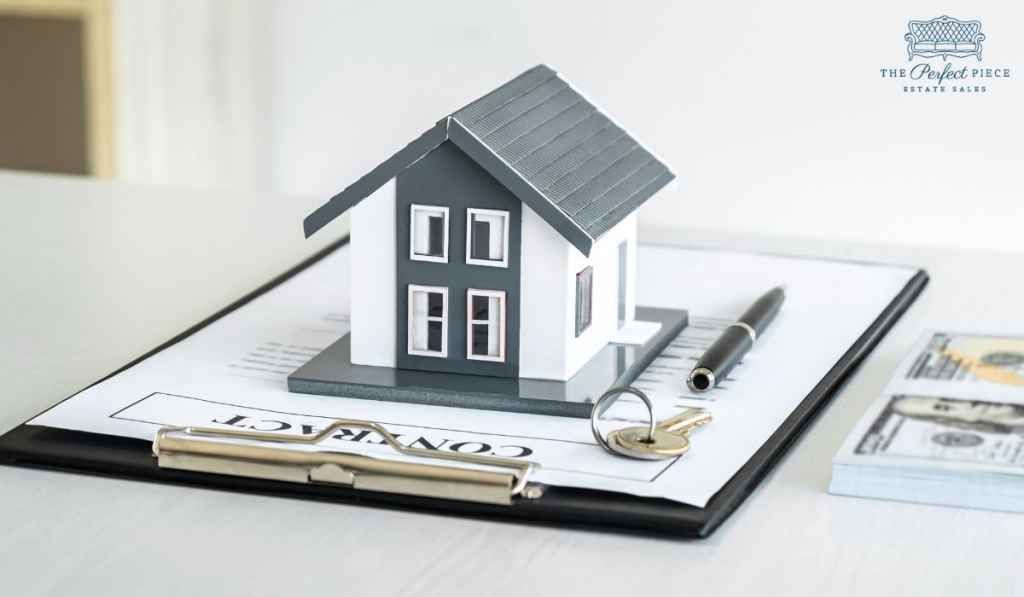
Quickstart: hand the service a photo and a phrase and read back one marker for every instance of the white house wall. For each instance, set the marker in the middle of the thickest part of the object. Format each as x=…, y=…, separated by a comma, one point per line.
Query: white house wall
x=373, y=279
x=549, y=348
x=543, y=296
x=605, y=317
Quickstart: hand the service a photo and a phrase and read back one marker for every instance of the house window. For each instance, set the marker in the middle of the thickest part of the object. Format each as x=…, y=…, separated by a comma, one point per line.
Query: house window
x=487, y=237
x=584, y=299
x=428, y=321
x=428, y=233
x=485, y=326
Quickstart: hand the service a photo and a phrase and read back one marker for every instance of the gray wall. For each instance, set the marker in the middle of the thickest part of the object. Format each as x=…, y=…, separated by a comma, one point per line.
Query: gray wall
x=448, y=177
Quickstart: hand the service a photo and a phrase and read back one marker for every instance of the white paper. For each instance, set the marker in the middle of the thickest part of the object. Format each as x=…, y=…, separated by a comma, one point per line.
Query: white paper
x=232, y=373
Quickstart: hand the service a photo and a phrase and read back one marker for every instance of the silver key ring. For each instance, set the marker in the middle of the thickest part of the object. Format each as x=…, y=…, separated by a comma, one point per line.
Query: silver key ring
x=614, y=393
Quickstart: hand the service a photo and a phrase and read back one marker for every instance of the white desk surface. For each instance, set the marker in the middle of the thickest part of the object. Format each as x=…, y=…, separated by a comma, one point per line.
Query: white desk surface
x=96, y=273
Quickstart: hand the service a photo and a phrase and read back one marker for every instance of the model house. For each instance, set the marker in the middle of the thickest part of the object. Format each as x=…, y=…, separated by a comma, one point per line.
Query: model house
x=502, y=241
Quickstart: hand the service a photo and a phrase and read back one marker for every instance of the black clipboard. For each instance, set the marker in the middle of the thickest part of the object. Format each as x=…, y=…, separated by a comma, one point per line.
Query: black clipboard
x=92, y=453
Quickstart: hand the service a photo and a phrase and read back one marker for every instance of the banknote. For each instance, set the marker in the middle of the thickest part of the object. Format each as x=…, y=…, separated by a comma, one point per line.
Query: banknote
x=953, y=430
x=967, y=358
x=947, y=429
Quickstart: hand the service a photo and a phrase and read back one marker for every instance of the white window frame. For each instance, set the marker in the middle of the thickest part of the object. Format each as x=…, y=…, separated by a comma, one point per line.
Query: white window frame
x=500, y=295
x=443, y=354
x=469, y=236
x=415, y=207
x=584, y=301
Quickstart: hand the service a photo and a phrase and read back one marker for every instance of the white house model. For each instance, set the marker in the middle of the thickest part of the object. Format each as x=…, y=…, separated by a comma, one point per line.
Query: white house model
x=501, y=242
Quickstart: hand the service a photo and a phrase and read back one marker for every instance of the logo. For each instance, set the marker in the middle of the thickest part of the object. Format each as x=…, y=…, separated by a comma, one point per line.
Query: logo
x=944, y=36
x=955, y=42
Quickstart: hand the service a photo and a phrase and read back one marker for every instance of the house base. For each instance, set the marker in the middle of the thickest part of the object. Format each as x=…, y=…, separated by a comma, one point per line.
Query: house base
x=331, y=373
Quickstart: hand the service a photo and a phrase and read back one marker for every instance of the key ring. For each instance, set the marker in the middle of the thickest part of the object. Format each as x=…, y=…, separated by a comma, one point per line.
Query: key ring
x=613, y=393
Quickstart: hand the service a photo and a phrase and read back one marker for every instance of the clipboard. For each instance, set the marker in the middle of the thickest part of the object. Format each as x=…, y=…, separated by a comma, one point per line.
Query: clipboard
x=92, y=453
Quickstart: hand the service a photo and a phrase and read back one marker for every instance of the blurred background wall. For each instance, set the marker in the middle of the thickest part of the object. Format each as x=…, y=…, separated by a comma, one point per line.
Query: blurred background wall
x=775, y=116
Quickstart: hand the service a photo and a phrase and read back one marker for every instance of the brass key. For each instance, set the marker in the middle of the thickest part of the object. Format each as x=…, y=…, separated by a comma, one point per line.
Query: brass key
x=669, y=439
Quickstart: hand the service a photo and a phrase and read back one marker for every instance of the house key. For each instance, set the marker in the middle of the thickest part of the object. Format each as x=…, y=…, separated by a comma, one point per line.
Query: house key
x=655, y=441
x=670, y=437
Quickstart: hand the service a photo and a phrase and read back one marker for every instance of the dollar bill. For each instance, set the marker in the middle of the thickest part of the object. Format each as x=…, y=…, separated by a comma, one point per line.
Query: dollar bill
x=946, y=429
x=968, y=358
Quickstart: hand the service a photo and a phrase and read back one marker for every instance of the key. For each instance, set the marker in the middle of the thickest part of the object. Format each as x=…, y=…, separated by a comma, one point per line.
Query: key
x=670, y=439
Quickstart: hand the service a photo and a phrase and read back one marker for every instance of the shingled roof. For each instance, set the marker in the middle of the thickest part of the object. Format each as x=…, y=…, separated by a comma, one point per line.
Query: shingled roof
x=548, y=145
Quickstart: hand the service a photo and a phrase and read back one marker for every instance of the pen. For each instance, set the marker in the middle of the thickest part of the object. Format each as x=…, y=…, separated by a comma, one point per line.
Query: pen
x=718, y=360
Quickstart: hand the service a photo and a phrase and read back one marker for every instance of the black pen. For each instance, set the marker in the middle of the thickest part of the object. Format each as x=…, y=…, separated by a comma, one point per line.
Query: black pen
x=718, y=360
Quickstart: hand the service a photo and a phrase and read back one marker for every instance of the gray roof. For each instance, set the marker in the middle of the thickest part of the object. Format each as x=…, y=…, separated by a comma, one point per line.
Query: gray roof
x=548, y=145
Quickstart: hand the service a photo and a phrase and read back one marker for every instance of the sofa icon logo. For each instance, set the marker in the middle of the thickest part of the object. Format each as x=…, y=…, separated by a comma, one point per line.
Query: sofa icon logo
x=928, y=40
x=944, y=36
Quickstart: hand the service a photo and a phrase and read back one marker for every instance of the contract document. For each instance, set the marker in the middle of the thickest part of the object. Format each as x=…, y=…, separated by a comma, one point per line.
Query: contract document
x=231, y=374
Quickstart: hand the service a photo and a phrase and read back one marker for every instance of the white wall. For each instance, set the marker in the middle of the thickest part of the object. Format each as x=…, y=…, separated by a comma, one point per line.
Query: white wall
x=373, y=278
x=192, y=93
x=544, y=267
x=604, y=258
x=774, y=115
x=549, y=348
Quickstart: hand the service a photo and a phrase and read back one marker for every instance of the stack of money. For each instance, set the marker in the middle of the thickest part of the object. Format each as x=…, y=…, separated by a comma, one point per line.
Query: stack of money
x=948, y=429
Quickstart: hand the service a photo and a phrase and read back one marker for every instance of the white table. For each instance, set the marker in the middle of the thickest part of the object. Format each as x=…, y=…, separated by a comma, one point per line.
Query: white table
x=96, y=273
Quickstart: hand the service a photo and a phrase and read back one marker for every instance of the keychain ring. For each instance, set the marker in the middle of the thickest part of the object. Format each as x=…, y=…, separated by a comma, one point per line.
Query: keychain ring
x=595, y=414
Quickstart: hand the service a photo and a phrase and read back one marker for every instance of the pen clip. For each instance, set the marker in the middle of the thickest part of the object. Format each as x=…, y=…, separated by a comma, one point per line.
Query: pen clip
x=239, y=453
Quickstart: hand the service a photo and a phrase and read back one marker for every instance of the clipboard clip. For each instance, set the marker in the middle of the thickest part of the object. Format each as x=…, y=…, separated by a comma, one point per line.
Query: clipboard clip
x=245, y=454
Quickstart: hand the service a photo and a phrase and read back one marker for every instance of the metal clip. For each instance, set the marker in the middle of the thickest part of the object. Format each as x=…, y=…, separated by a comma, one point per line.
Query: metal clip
x=235, y=452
